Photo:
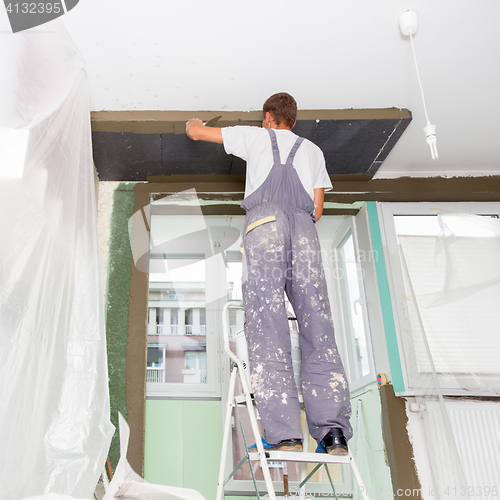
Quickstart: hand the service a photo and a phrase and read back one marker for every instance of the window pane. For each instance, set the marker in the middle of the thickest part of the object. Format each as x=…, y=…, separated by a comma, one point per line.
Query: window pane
x=177, y=329
x=429, y=225
x=451, y=274
x=233, y=275
x=188, y=284
x=353, y=310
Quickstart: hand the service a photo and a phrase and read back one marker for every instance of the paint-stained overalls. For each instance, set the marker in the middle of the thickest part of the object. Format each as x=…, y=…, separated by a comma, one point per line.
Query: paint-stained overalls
x=282, y=253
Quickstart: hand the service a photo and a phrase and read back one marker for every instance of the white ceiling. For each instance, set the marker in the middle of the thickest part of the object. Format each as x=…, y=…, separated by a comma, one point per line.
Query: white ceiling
x=329, y=54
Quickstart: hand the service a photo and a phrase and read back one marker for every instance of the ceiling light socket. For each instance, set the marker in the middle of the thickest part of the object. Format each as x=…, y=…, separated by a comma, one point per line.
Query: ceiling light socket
x=408, y=22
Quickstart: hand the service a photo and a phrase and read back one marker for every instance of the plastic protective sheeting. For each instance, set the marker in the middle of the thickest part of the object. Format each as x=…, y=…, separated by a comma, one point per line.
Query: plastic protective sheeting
x=54, y=406
x=127, y=484
x=453, y=290
x=452, y=284
x=53, y=496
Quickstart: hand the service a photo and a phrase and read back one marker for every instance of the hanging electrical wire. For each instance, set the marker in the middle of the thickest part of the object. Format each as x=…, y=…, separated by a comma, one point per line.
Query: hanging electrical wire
x=408, y=24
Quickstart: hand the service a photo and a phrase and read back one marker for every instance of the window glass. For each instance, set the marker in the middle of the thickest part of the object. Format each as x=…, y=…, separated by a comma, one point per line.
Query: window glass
x=428, y=225
x=195, y=266
x=444, y=273
x=155, y=363
x=353, y=309
x=449, y=275
x=177, y=330
x=349, y=305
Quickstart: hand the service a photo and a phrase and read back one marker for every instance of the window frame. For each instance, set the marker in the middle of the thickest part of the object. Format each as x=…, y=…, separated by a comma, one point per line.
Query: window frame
x=386, y=213
x=216, y=296
x=349, y=227
x=326, y=234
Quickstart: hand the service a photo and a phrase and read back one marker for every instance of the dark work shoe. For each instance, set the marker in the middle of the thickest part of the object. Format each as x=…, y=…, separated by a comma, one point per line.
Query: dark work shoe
x=335, y=443
x=285, y=445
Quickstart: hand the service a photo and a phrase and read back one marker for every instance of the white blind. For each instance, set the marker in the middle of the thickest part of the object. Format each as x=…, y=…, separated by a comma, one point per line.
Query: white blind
x=456, y=283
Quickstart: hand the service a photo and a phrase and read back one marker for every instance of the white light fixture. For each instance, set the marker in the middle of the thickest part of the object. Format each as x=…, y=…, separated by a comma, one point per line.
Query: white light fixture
x=13, y=146
x=408, y=24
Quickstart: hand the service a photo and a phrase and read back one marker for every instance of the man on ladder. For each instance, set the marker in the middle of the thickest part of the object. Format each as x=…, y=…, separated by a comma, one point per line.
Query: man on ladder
x=282, y=254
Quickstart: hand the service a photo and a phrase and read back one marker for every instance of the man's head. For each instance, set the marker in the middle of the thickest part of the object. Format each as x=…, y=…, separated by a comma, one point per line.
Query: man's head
x=282, y=108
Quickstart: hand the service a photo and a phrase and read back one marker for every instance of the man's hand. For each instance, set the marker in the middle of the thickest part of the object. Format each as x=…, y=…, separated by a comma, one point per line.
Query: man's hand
x=191, y=126
x=198, y=132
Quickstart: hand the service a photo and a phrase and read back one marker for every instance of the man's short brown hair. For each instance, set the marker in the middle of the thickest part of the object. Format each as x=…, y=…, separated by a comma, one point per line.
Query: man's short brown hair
x=283, y=109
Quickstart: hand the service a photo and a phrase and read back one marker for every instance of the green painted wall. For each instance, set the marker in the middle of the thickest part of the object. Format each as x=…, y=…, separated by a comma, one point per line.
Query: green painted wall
x=183, y=444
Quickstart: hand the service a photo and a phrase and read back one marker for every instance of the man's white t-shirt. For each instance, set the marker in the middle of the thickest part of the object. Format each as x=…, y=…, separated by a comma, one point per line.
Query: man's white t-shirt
x=253, y=144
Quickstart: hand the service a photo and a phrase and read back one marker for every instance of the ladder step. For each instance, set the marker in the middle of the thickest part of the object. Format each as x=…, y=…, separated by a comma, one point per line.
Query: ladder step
x=297, y=456
x=241, y=400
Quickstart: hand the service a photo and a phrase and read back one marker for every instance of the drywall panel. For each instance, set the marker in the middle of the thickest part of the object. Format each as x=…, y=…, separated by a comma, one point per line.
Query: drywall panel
x=136, y=145
x=183, y=441
x=126, y=156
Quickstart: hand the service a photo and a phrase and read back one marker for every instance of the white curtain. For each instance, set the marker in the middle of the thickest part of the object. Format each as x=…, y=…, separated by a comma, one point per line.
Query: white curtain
x=54, y=404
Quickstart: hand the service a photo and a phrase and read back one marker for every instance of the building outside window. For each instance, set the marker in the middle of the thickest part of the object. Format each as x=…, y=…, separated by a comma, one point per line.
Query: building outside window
x=188, y=285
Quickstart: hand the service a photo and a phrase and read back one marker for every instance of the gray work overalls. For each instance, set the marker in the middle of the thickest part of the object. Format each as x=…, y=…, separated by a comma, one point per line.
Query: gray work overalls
x=282, y=254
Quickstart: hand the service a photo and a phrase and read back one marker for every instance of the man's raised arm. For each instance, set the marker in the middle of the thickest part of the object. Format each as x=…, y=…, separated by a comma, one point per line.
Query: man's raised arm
x=199, y=132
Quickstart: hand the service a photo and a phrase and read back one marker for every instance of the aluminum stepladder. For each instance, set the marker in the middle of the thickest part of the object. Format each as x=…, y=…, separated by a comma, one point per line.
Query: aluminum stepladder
x=264, y=456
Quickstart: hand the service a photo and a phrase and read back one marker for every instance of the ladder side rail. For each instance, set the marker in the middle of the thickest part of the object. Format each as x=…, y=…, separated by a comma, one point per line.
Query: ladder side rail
x=359, y=480
x=225, y=436
x=248, y=398
x=331, y=482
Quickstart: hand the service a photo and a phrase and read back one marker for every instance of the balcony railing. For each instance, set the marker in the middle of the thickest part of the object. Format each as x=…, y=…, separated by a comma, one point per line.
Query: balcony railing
x=155, y=374
x=181, y=329
x=195, y=329
x=158, y=375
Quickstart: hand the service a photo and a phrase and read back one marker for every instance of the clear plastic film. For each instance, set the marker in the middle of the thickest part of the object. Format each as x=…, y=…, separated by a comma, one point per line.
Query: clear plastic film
x=452, y=344
x=127, y=484
x=54, y=406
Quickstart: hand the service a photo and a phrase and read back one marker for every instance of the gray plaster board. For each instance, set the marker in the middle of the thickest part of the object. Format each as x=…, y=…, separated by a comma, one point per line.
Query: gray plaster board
x=132, y=146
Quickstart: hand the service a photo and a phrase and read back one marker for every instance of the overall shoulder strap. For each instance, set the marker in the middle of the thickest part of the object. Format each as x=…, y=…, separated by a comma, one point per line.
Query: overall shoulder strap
x=274, y=145
x=291, y=156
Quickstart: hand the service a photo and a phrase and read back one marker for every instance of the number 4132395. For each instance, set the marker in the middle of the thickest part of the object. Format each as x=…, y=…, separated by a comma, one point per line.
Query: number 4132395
x=471, y=491
x=34, y=8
